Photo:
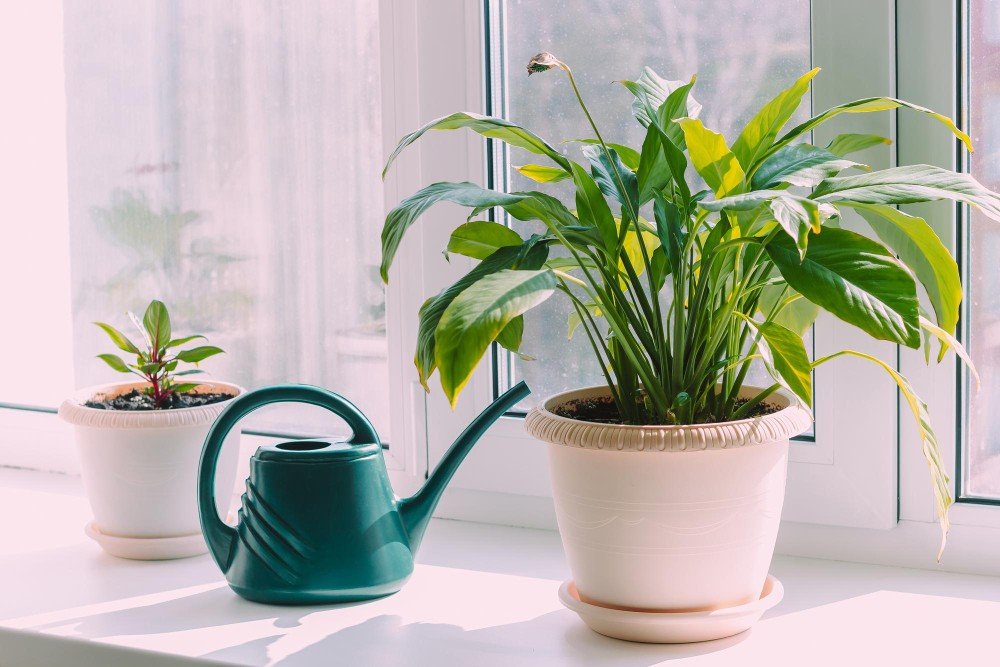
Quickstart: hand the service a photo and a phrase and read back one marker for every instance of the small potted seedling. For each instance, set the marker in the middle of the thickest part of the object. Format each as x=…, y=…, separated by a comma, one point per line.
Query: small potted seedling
x=140, y=440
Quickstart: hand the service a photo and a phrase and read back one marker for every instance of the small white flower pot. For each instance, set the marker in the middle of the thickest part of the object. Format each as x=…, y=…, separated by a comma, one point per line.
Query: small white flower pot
x=668, y=518
x=140, y=468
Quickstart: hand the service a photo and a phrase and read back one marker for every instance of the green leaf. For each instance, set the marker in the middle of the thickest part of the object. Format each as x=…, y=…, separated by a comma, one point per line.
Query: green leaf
x=797, y=216
x=115, y=362
x=654, y=171
x=795, y=312
x=592, y=209
x=478, y=315
x=758, y=135
x=785, y=356
x=185, y=387
x=931, y=452
x=744, y=202
x=800, y=164
x=190, y=371
x=510, y=336
x=425, y=358
x=868, y=105
x=629, y=156
x=603, y=171
x=712, y=158
x=542, y=174
x=521, y=205
x=196, y=354
x=910, y=185
x=120, y=340
x=180, y=341
x=481, y=239
x=651, y=91
x=574, y=320
x=845, y=144
x=150, y=368
x=491, y=128
x=856, y=279
x=157, y=324
x=920, y=248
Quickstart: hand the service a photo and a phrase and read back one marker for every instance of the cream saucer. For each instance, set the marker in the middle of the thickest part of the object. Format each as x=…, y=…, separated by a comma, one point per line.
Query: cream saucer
x=672, y=627
x=148, y=548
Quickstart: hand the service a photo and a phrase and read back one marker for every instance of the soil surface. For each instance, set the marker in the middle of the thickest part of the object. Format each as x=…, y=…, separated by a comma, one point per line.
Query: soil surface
x=136, y=400
x=602, y=410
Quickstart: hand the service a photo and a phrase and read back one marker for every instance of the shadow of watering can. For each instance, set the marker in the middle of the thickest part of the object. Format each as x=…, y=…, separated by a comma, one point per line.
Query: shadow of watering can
x=319, y=521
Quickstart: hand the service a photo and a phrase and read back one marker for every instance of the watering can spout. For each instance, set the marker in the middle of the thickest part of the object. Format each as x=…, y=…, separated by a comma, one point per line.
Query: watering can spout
x=416, y=510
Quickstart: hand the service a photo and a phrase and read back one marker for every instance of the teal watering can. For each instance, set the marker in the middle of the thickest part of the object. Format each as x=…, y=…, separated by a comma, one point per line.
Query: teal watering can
x=319, y=521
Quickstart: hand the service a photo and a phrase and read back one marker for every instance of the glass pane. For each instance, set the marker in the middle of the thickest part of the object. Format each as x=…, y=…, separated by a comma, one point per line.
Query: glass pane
x=982, y=443
x=225, y=158
x=606, y=41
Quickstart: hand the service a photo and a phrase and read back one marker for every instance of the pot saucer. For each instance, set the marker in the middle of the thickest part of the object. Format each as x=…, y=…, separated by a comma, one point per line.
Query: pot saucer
x=671, y=627
x=148, y=548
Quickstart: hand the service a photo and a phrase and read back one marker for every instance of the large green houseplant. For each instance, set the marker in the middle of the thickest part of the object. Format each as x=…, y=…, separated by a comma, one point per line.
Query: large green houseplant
x=679, y=289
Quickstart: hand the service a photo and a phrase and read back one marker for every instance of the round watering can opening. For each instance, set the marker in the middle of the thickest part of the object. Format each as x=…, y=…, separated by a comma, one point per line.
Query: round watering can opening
x=302, y=445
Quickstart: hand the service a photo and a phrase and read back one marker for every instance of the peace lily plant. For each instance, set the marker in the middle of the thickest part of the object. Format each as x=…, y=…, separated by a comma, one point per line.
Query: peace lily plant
x=678, y=288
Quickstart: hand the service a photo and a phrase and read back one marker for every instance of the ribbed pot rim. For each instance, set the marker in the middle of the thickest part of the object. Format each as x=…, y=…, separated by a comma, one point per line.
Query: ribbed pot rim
x=791, y=420
x=76, y=413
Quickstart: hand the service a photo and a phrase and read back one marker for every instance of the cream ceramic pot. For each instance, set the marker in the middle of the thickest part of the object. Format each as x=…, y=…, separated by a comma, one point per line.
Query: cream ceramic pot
x=140, y=468
x=668, y=518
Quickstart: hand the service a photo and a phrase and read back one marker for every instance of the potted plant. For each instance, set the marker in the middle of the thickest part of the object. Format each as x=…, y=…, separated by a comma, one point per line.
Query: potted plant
x=139, y=442
x=668, y=480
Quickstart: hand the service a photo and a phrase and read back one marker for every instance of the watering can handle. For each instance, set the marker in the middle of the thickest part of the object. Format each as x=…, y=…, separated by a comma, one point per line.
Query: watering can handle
x=218, y=535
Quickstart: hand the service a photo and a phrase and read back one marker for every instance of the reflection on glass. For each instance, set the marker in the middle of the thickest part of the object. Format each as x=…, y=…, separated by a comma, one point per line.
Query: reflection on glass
x=225, y=158
x=606, y=40
x=982, y=460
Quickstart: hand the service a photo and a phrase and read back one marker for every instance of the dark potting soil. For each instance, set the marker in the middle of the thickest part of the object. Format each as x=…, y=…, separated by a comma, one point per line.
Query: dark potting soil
x=602, y=410
x=136, y=400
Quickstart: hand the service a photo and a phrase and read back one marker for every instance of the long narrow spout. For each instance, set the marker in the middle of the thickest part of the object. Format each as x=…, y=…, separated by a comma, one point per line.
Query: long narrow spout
x=417, y=509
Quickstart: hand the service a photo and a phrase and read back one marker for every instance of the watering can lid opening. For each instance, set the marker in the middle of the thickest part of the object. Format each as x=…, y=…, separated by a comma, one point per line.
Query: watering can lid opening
x=315, y=450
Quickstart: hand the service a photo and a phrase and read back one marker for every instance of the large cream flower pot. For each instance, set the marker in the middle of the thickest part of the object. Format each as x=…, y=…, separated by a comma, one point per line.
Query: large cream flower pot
x=140, y=470
x=668, y=518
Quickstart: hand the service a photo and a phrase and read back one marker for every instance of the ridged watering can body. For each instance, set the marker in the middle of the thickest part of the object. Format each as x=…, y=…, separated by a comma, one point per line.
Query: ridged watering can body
x=319, y=521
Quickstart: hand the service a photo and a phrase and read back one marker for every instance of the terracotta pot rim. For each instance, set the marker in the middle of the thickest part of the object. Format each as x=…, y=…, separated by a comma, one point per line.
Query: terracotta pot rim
x=73, y=410
x=542, y=423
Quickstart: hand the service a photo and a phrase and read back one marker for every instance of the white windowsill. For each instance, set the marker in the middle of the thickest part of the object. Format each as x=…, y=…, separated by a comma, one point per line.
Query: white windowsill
x=483, y=595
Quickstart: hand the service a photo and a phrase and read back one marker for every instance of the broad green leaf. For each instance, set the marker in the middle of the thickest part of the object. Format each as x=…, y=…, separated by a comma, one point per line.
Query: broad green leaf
x=939, y=478
x=185, y=387
x=592, y=209
x=856, y=279
x=478, y=315
x=115, y=362
x=800, y=164
x=632, y=251
x=629, y=156
x=758, y=135
x=668, y=229
x=157, y=324
x=654, y=171
x=425, y=358
x=120, y=340
x=868, y=105
x=542, y=174
x=196, y=354
x=910, y=185
x=189, y=371
x=604, y=170
x=920, y=248
x=845, y=144
x=480, y=239
x=521, y=205
x=677, y=105
x=510, y=336
x=795, y=312
x=180, y=341
x=744, y=202
x=150, y=368
x=574, y=320
x=491, y=128
x=785, y=356
x=797, y=216
x=651, y=91
x=712, y=157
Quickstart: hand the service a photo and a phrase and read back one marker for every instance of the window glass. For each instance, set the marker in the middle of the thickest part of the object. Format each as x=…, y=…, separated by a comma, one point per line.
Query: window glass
x=982, y=443
x=225, y=158
x=605, y=41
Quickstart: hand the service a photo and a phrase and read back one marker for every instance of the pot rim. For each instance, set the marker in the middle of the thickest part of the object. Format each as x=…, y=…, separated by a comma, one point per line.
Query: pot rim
x=73, y=410
x=791, y=420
